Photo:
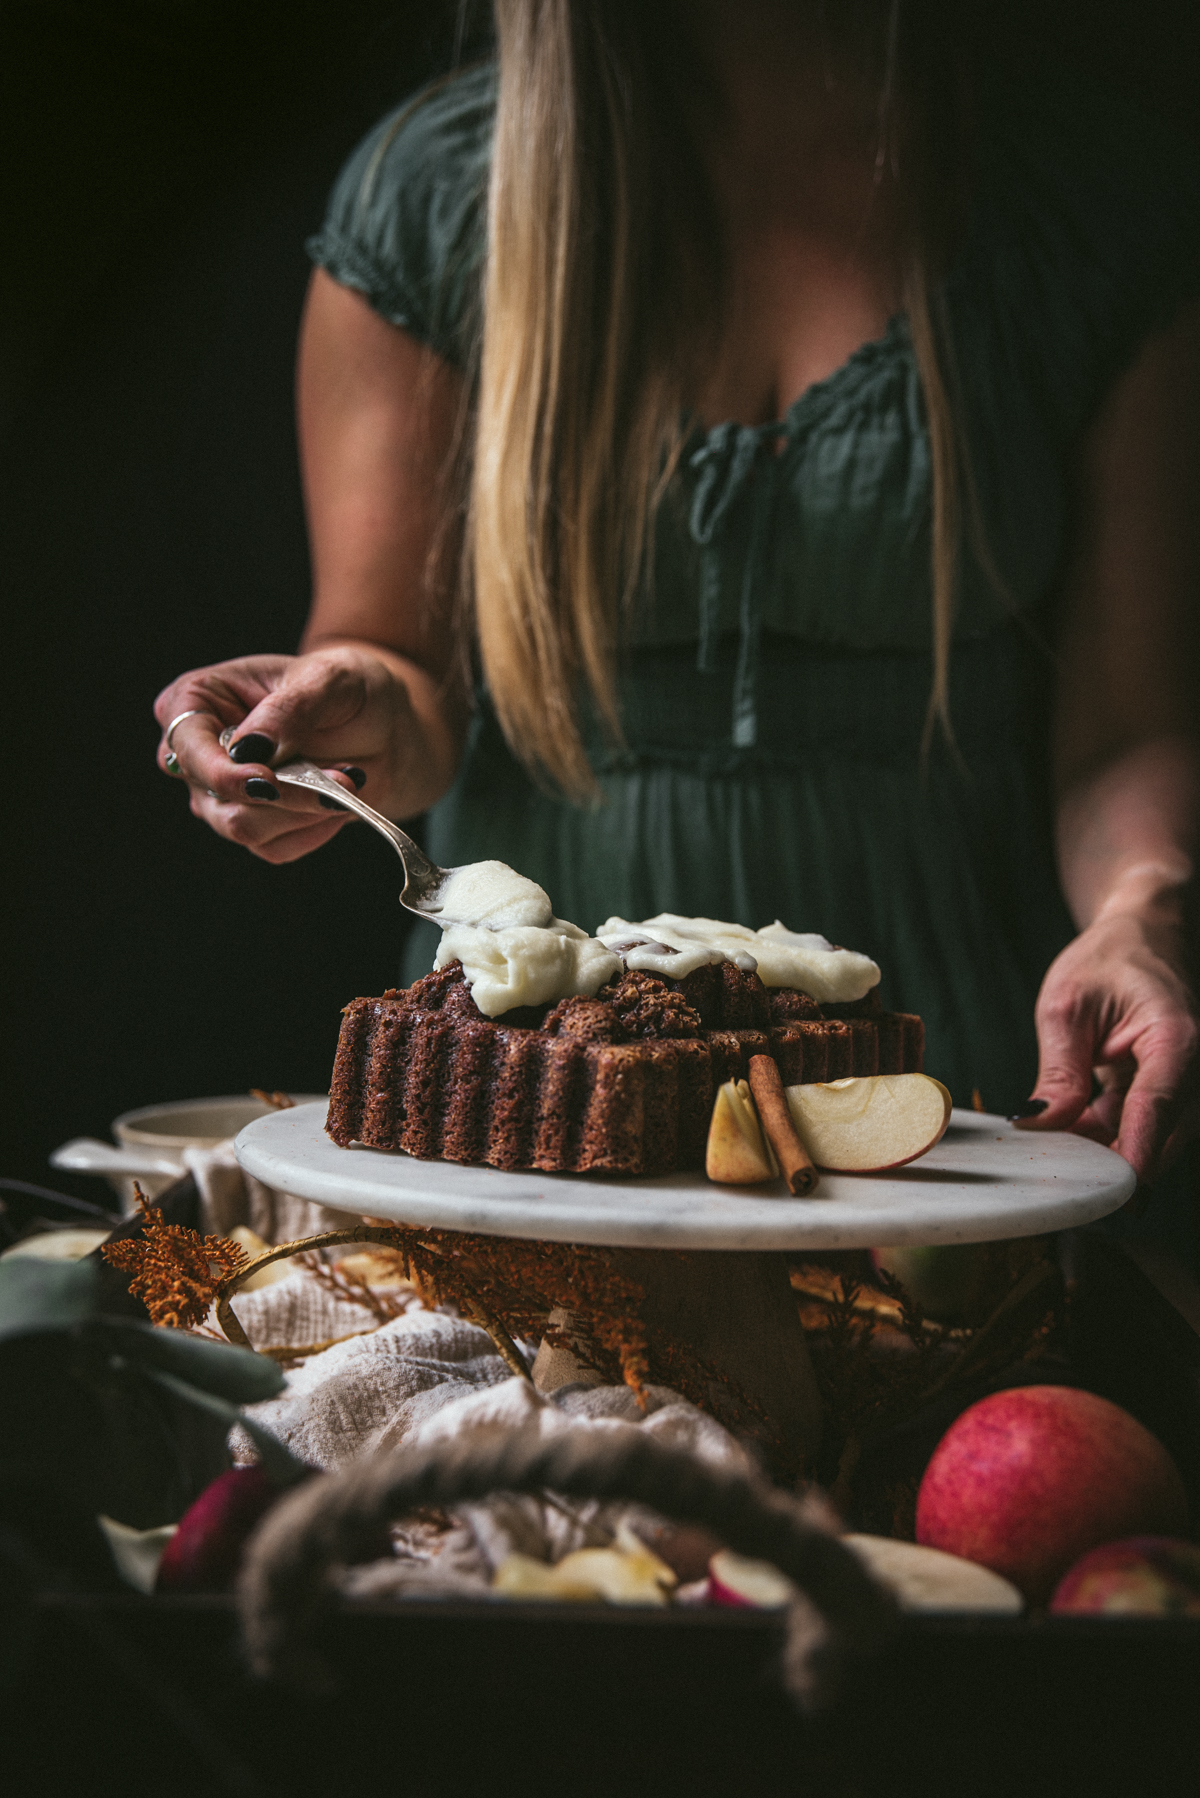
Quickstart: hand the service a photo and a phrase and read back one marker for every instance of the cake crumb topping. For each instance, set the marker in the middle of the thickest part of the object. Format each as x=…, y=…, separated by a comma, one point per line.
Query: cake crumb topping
x=591, y=1020
x=647, y=1006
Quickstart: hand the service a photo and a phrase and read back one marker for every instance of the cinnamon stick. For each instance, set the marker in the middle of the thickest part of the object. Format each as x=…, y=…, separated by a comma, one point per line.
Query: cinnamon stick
x=776, y=1120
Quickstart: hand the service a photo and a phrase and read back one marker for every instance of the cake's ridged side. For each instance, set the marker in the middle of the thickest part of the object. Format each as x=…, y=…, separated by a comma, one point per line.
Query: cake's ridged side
x=426, y=1085
x=512, y=1125
x=787, y=1046
x=384, y=1081
x=890, y=1032
x=841, y=1050
x=808, y=1043
x=731, y=1051
x=346, y=1086
x=724, y=1050
x=660, y=1108
x=612, y=1135
x=696, y=1090
x=864, y=1047
x=913, y=1029
x=560, y=1092
x=468, y=1103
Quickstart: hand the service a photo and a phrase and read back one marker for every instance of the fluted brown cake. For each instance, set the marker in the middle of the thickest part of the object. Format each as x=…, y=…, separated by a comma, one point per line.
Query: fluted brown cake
x=619, y=1084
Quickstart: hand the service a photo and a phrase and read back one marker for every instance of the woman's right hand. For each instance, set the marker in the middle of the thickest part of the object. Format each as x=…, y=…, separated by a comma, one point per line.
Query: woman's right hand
x=380, y=687
x=349, y=707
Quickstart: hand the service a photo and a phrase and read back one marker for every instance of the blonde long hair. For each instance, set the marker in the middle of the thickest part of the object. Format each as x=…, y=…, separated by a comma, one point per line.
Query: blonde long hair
x=602, y=293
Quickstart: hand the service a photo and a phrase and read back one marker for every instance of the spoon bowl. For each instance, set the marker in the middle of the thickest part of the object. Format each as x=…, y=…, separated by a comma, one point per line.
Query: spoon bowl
x=423, y=879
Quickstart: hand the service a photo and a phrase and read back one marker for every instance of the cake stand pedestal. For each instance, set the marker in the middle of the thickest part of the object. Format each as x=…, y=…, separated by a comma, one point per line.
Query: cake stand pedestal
x=724, y=1291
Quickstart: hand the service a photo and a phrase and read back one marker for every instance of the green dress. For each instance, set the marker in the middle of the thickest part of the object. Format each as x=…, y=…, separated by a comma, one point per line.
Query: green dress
x=774, y=692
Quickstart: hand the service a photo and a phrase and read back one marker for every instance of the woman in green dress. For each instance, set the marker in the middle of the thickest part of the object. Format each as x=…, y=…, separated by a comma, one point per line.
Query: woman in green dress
x=751, y=472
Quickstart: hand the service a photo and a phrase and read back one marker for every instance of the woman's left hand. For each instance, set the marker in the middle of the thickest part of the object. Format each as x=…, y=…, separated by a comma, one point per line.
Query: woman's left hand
x=1116, y=1004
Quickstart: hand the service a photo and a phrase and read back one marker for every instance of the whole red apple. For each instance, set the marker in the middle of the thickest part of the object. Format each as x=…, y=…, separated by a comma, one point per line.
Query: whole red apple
x=1144, y=1576
x=1027, y=1481
x=203, y=1554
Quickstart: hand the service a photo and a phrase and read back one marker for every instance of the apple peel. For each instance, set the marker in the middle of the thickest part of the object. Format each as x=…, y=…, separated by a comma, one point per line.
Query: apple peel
x=1141, y=1576
x=737, y=1153
x=735, y=1582
x=870, y=1123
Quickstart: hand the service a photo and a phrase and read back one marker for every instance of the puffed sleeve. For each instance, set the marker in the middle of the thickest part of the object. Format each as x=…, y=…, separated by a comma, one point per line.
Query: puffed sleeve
x=406, y=219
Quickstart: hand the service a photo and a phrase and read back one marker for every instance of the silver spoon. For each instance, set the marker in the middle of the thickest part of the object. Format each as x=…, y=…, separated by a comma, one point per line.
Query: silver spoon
x=423, y=879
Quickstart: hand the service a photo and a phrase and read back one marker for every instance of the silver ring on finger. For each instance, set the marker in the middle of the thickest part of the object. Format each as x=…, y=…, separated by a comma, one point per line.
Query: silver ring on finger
x=193, y=712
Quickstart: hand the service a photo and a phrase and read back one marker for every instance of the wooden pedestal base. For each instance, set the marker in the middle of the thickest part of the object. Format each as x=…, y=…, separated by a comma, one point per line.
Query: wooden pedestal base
x=733, y=1318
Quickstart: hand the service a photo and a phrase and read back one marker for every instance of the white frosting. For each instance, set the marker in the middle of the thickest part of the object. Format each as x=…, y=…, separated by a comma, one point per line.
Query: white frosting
x=491, y=896
x=673, y=946
x=515, y=952
x=525, y=965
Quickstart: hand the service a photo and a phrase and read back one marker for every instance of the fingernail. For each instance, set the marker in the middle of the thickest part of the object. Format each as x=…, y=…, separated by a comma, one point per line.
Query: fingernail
x=253, y=748
x=260, y=789
x=357, y=776
x=1032, y=1108
x=331, y=805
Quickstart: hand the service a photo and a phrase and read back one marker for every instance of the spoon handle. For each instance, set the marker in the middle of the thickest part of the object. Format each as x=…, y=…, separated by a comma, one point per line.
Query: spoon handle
x=307, y=774
x=417, y=865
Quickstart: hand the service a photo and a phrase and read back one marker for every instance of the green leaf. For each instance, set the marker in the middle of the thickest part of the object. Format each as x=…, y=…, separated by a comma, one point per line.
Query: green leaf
x=282, y=1467
x=216, y=1367
x=45, y=1295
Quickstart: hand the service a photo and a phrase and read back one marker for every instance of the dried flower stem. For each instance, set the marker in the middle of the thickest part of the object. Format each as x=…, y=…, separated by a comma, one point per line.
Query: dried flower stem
x=506, y=1348
x=282, y=1252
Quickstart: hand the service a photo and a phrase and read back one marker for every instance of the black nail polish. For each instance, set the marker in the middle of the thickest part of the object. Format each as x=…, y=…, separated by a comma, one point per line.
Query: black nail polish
x=1032, y=1108
x=260, y=789
x=357, y=776
x=254, y=748
x=331, y=805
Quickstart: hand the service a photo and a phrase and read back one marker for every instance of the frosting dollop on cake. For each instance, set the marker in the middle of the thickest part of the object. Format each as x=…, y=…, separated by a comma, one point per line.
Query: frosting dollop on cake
x=527, y=964
x=675, y=947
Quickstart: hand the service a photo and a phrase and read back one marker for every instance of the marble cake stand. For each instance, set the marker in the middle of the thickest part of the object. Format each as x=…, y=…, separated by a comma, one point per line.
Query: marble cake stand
x=725, y=1290
x=985, y=1182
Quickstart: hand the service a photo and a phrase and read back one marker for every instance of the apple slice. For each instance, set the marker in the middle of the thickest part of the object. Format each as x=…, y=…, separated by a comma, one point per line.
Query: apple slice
x=737, y=1153
x=521, y=1576
x=1143, y=1576
x=925, y=1579
x=737, y=1583
x=871, y=1123
x=626, y=1573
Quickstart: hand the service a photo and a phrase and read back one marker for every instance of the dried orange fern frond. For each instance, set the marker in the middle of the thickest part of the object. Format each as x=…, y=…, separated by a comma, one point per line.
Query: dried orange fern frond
x=175, y=1271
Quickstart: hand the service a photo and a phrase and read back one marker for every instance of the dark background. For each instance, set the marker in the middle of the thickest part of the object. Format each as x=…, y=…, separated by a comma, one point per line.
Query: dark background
x=165, y=161
x=161, y=164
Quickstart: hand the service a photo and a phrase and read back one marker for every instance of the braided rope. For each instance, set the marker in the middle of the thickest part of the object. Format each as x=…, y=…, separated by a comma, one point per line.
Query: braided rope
x=287, y=1581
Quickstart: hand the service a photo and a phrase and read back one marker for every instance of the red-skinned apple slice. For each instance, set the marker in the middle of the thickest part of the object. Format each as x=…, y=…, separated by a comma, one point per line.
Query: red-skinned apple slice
x=870, y=1123
x=737, y=1583
x=1142, y=1576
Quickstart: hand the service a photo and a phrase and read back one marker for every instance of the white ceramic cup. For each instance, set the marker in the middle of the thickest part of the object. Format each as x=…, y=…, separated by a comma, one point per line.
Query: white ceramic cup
x=185, y=1124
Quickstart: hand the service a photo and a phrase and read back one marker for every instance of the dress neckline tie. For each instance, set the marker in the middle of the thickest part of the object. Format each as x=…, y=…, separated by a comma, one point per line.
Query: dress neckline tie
x=734, y=463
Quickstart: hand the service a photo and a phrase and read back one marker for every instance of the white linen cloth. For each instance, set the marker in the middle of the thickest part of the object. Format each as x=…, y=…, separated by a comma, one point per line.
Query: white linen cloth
x=421, y=1378
x=229, y=1196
